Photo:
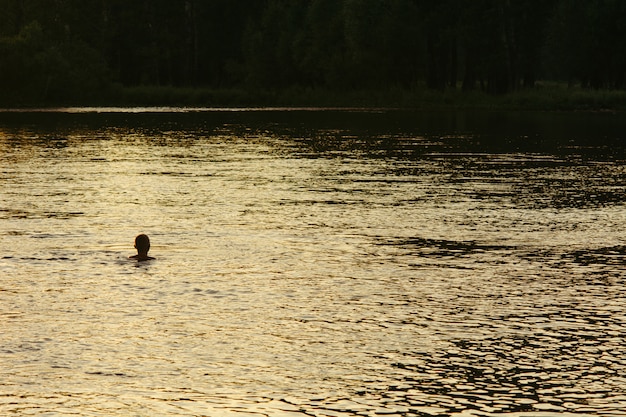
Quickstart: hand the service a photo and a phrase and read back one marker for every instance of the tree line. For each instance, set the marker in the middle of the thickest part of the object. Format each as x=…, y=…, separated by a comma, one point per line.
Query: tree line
x=64, y=50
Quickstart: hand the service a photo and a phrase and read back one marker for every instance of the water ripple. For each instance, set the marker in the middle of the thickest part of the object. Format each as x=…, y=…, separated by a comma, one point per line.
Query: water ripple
x=320, y=263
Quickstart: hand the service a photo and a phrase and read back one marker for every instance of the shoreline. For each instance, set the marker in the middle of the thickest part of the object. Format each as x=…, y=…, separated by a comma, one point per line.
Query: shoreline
x=544, y=97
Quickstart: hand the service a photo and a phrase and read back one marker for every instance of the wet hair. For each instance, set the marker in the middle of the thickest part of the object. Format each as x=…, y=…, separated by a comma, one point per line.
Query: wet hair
x=142, y=243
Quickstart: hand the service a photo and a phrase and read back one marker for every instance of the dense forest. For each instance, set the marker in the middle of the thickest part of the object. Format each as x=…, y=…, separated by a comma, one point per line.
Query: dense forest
x=54, y=51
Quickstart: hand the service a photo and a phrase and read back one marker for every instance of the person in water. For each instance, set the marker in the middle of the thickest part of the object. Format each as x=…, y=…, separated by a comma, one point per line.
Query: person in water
x=142, y=244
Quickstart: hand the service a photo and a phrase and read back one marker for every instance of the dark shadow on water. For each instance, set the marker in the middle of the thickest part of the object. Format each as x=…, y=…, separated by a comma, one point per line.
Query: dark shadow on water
x=439, y=248
x=588, y=133
x=614, y=255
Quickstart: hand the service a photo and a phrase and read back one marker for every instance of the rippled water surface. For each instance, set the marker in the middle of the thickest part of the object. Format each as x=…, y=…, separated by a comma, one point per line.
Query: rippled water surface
x=312, y=262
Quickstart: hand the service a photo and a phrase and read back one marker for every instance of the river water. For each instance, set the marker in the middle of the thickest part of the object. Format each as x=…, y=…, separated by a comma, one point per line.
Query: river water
x=312, y=262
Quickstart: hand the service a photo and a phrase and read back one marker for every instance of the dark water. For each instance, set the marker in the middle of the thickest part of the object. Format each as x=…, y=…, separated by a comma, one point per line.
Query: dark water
x=312, y=262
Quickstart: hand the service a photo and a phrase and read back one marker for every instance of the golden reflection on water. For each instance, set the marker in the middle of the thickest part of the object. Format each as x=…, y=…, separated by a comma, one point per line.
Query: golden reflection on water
x=305, y=267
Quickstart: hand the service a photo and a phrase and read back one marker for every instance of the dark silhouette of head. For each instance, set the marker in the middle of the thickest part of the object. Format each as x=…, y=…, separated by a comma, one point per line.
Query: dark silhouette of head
x=142, y=244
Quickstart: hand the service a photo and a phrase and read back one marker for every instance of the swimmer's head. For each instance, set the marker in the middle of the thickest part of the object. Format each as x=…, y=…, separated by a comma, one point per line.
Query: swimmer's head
x=142, y=243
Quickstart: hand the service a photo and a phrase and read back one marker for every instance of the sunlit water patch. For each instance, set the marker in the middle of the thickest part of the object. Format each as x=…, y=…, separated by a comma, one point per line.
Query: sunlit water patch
x=312, y=263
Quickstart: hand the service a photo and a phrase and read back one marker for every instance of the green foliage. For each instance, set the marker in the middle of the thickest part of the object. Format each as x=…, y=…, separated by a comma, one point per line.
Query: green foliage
x=19, y=74
x=587, y=39
x=77, y=51
x=36, y=68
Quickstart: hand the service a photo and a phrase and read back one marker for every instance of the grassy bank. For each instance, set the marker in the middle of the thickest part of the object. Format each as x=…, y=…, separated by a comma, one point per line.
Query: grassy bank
x=548, y=96
x=545, y=97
